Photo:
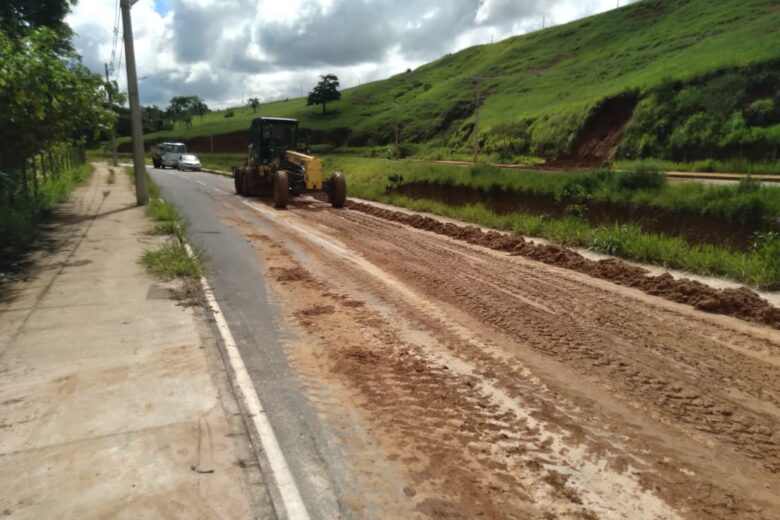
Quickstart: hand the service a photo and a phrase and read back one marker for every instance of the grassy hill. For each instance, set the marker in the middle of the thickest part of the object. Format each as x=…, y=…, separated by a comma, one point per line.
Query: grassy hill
x=684, y=79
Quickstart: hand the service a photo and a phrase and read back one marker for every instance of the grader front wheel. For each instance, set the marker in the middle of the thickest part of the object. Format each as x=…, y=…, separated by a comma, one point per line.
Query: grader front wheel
x=281, y=190
x=337, y=194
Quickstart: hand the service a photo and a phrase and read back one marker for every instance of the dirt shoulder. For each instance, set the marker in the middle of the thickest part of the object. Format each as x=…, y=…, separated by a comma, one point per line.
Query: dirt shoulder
x=113, y=397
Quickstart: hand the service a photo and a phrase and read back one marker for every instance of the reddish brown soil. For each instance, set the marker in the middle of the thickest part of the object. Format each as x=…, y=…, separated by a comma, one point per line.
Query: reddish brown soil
x=741, y=303
x=599, y=138
x=464, y=382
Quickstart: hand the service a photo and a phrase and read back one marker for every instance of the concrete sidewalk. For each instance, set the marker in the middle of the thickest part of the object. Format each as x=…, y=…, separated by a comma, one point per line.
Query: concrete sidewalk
x=113, y=399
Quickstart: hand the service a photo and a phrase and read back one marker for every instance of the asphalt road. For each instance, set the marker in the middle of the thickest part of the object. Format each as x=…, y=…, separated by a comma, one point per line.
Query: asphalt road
x=411, y=373
x=241, y=291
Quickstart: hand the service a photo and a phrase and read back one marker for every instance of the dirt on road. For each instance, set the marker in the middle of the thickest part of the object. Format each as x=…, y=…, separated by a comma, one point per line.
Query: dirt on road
x=467, y=379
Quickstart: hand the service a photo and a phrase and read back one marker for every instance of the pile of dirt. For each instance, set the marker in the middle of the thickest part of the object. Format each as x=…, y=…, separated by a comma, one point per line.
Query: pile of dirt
x=740, y=303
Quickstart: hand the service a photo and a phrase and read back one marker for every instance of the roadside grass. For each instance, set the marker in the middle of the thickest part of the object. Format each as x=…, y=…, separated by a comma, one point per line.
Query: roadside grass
x=104, y=156
x=745, y=204
x=707, y=166
x=171, y=261
x=18, y=221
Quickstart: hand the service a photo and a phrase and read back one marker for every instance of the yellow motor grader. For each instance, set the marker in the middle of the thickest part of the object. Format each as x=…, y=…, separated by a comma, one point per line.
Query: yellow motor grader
x=274, y=167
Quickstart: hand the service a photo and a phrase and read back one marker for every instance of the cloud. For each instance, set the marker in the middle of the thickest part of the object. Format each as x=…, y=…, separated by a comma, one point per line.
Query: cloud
x=227, y=50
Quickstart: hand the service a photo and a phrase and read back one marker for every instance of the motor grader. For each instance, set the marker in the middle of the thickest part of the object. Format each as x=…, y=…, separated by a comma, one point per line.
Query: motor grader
x=274, y=166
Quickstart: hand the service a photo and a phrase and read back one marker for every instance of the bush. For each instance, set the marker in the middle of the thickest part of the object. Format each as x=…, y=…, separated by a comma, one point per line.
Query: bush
x=554, y=135
x=748, y=184
x=767, y=249
x=646, y=176
x=763, y=113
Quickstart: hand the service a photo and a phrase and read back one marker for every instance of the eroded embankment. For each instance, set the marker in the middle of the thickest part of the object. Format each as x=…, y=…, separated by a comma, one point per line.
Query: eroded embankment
x=740, y=303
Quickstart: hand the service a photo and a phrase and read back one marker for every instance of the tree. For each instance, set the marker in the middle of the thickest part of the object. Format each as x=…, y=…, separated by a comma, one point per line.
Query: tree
x=47, y=97
x=254, y=103
x=325, y=91
x=182, y=108
x=18, y=18
x=199, y=107
x=154, y=119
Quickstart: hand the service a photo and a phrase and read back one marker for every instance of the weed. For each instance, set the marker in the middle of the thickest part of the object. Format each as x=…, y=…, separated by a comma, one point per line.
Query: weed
x=172, y=261
x=166, y=228
x=160, y=210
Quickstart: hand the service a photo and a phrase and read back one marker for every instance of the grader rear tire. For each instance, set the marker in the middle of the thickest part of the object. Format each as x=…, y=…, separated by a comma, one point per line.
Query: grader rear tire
x=281, y=189
x=238, y=181
x=337, y=194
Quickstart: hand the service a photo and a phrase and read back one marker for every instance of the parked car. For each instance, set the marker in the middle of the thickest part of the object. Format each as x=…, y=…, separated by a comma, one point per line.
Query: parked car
x=189, y=162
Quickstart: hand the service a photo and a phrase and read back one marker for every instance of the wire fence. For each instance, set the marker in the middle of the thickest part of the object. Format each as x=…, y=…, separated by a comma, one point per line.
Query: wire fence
x=30, y=179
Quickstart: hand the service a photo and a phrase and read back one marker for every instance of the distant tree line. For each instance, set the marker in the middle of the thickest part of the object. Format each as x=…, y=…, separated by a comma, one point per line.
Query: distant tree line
x=181, y=109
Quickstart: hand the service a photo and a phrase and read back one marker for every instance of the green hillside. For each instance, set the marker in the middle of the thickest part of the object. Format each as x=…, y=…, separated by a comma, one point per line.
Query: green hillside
x=702, y=75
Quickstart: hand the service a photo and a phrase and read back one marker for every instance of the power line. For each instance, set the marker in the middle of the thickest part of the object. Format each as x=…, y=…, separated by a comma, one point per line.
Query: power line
x=121, y=55
x=115, y=40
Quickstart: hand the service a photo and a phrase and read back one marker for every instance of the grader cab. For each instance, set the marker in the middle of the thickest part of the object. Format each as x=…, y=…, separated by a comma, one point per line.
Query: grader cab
x=274, y=166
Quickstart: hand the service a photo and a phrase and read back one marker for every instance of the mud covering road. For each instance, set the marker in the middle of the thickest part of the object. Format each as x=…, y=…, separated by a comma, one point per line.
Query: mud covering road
x=458, y=381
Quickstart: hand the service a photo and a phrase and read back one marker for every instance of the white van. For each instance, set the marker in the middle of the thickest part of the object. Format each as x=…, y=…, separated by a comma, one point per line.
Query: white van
x=167, y=154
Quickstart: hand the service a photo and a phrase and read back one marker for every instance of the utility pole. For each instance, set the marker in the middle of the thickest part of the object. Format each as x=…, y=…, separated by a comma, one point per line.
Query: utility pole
x=112, y=130
x=478, y=82
x=141, y=190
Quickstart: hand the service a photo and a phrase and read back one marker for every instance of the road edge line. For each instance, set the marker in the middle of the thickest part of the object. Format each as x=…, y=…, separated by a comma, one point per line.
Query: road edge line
x=292, y=502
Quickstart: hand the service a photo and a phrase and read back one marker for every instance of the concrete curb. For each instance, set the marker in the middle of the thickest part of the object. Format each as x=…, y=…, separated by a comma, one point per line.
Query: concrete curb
x=282, y=488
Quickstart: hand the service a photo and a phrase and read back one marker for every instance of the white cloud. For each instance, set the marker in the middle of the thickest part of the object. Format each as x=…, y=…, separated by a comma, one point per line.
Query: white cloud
x=227, y=50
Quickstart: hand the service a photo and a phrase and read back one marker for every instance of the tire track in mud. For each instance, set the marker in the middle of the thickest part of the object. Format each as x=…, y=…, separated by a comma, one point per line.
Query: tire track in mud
x=665, y=362
x=741, y=303
x=539, y=310
x=424, y=411
x=468, y=454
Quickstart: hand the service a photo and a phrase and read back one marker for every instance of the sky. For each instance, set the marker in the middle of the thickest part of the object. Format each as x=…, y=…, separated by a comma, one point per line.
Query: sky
x=226, y=51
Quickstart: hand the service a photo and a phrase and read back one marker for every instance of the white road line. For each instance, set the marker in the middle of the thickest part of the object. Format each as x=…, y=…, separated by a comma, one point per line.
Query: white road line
x=285, y=483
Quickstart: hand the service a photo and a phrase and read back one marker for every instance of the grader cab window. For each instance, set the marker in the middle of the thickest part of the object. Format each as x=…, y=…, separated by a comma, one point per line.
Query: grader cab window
x=279, y=134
